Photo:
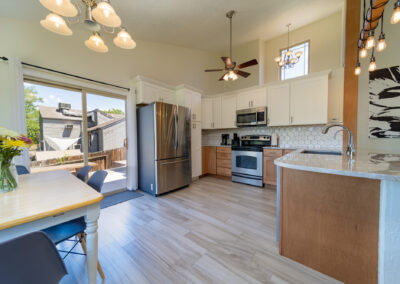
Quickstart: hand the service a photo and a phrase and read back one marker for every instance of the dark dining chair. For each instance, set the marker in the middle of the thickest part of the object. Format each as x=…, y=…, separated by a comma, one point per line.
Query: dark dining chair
x=83, y=173
x=31, y=258
x=22, y=170
x=65, y=231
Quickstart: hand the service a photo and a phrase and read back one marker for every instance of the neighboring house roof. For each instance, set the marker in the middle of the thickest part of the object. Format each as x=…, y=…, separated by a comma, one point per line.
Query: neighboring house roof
x=53, y=113
x=107, y=124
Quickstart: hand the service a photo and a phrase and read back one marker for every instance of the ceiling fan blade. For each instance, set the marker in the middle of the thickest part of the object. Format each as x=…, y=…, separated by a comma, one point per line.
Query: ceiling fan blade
x=222, y=78
x=248, y=64
x=213, y=70
x=242, y=73
x=227, y=61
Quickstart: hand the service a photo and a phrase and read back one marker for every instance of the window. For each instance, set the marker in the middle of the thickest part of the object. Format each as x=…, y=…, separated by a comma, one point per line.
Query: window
x=301, y=67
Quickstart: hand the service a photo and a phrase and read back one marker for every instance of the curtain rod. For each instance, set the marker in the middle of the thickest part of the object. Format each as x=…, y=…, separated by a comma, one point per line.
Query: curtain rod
x=67, y=74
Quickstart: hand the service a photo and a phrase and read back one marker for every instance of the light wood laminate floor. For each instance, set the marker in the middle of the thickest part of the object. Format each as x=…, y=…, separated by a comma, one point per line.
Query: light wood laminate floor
x=215, y=231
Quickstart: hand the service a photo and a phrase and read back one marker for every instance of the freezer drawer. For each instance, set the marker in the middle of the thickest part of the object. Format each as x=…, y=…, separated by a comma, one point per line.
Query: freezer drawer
x=173, y=174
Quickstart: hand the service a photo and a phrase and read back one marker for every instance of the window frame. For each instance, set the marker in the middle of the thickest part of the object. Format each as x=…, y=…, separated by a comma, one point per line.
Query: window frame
x=291, y=46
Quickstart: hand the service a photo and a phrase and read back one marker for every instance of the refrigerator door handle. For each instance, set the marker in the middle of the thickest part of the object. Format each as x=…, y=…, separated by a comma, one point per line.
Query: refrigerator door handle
x=176, y=129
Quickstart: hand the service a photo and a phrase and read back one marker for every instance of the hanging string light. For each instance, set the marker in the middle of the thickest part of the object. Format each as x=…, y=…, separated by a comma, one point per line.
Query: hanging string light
x=371, y=19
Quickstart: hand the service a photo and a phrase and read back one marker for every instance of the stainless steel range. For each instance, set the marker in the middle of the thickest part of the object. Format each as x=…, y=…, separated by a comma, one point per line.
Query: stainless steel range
x=247, y=159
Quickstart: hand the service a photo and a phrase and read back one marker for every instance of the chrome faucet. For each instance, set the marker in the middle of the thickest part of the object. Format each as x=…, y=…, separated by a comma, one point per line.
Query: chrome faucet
x=350, y=150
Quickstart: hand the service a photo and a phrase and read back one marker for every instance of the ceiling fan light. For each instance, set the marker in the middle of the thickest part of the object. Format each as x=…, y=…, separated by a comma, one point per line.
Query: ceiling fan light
x=298, y=54
x=56, y=24
x=105, y=14
x=61, y=7
x=96, y=43
x=277, y=59
x=124, y=40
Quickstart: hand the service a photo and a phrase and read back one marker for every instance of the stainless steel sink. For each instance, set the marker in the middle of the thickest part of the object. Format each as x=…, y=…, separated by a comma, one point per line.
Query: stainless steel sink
x=319, y=152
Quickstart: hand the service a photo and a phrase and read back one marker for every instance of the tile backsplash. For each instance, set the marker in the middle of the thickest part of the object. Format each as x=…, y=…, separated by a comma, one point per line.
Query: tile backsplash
x=291, y=136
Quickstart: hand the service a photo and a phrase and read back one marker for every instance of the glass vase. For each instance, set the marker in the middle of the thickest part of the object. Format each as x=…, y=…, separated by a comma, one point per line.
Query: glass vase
x=8, y=177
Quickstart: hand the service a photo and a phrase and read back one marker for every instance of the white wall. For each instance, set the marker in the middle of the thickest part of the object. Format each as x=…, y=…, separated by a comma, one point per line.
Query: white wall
x=326, y=42
x=171, y=64
x=389, y=57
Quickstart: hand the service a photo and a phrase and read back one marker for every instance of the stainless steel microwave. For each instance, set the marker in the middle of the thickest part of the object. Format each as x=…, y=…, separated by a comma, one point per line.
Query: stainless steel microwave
x=251, y=117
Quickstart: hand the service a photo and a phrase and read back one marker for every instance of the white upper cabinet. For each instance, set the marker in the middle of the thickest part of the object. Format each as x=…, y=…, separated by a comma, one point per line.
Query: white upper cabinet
x=207, y=113
x=309, y=101
x=191, y=99
x=279, y=105
x=216, y=112
x=228, y=111
x=252, y=98
x=149, y=91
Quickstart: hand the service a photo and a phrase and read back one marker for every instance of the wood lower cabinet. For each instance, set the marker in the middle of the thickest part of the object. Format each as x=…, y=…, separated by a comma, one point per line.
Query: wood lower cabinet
x=209, y=158
x=224, y=161
x=269, y=168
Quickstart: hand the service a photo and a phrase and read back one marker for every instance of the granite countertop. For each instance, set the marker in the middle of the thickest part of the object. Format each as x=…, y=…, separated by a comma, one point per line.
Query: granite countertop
x=364, y=164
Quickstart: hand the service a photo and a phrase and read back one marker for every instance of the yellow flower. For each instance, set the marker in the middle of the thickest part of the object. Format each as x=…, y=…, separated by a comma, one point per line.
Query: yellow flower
x=14, y=143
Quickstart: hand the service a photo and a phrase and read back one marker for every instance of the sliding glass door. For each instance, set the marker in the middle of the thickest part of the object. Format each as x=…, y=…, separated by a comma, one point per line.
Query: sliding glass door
x=71, y=128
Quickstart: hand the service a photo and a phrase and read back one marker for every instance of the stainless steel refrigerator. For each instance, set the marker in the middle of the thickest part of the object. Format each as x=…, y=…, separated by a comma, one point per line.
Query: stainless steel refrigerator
x=163, y=147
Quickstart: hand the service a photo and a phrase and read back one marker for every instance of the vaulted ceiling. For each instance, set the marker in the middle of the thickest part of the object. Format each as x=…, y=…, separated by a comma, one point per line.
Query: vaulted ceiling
x=200, y=23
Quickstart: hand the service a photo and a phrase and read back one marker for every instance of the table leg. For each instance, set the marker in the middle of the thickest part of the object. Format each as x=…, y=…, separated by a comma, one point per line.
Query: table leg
x=92, y=242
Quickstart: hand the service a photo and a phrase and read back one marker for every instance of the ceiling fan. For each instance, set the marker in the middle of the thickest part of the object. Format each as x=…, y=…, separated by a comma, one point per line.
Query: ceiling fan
x=233, y=70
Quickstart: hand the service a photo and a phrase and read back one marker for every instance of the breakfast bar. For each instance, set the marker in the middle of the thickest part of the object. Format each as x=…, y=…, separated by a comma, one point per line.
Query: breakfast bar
x=347, y=227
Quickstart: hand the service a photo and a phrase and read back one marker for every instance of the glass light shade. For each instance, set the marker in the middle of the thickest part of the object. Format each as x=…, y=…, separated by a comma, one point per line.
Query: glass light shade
x=381, y=44
x=105, y=15
x=298, y=54
x=281, y=63
x=226, y=77
x=232, y=76
x=363, y=52
x=372, y=65
x=56, y=24
x=370, y=41
x=396, y=15
x=288, y=53
x=96, y=43
x=124, y=40
x=357, y=71
x=61, y=7
x=293, y=60
x=277, y=59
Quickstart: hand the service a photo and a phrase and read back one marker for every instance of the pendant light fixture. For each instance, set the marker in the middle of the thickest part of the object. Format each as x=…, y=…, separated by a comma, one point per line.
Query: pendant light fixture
x=94, y=15
x=396, y=13
x=124, y=40
x=288, y=60
x=96, y=43
x=371, y=19
x=56, y=24
x=61, y=7
x=105, y=15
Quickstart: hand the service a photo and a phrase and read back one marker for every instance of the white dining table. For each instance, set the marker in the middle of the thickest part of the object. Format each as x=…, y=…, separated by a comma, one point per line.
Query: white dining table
x=46, y=199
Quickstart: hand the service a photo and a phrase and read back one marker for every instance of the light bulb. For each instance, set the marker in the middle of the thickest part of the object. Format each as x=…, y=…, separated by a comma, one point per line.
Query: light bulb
x=277, y=59
x=381, y=43
x=363, y=51
x=396, y=13
x=298, y=54
x=124, y=40
x=96, y=43
x=56, y=24
x=105, y=14
x=370, y=40
x=357, y=71
x=61, y=7
x=372, y=65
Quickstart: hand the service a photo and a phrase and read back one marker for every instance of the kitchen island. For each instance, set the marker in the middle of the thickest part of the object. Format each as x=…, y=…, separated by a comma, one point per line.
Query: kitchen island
x=339, y=217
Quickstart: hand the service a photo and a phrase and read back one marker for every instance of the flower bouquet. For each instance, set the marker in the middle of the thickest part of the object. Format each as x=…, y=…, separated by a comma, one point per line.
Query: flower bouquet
x=11, y=145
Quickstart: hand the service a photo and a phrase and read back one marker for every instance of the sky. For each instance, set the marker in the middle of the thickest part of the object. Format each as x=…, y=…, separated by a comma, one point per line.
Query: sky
x=52, y=96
